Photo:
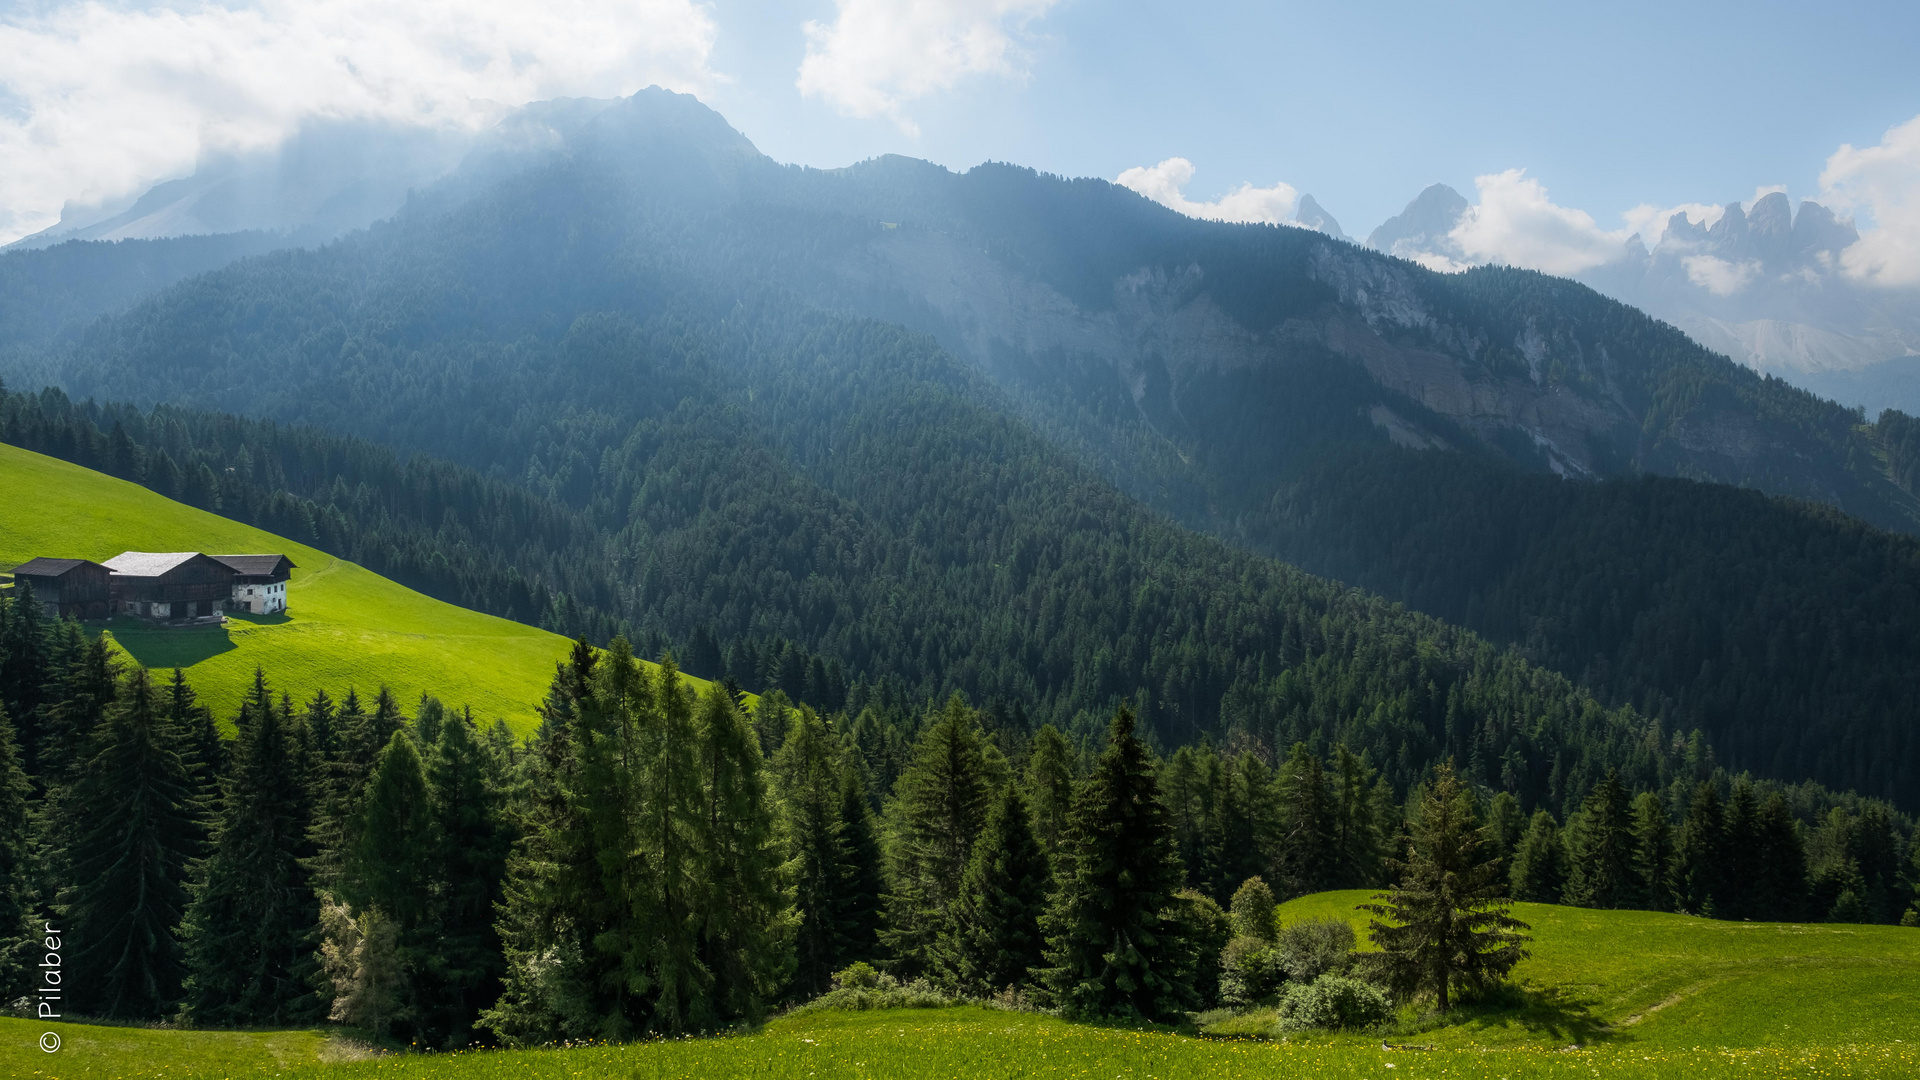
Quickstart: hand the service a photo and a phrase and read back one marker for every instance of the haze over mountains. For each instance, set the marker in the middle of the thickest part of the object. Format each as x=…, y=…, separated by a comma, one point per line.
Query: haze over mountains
x=625, y=309
x=1761, y=282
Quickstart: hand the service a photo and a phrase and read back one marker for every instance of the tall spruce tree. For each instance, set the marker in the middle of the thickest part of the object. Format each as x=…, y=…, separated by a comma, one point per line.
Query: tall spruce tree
x=203, y=750
x=1745, y=868
x=746, y=912
x=1701, y=863
x=1308, y=859
x=1356, y=835
x=816, y=843
x=1781, y=891
x=248, y=926
x=17, y=892
x=1600, y=842
x=993, y=939
x=863, y=875
x=1450, y=925
x=1653, y=851
x=468, y=844
x=1112, y=943
x=1539, y=871
x=129, y=861
x=940, y=805
x=669, y=817
x=1049, y=783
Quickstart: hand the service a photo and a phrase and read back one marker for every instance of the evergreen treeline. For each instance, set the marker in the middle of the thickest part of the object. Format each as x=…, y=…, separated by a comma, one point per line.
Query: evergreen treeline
x=1029, y=582
x=1774, y=625
x=656, y=861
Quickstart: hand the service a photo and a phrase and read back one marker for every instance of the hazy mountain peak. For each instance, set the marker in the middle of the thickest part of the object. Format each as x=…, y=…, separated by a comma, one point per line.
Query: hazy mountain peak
x=1421, y=229
x=1310, y=214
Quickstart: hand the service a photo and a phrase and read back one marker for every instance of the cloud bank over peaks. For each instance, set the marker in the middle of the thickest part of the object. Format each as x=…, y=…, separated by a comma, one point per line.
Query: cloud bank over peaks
x=100, y=99
x=878, y=55
x=1882, y=184
x=1280, y=204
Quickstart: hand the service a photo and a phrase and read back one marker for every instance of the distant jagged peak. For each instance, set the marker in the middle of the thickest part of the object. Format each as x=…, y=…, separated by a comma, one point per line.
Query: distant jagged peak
x=1420, y=232
x=1310, y=214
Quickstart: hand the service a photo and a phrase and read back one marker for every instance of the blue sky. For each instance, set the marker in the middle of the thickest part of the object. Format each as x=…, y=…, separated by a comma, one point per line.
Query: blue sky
x=1606, y=107
x=1363, y=105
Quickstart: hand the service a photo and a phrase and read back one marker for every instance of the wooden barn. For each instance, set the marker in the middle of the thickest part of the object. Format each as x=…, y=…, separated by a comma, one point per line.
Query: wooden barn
x=259, y=582
x=63, y=587
x=170, y=585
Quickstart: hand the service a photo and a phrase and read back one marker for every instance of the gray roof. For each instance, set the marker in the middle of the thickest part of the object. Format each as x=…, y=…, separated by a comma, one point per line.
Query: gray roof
x=254, y=565
x=147, y=563
x=45, y=567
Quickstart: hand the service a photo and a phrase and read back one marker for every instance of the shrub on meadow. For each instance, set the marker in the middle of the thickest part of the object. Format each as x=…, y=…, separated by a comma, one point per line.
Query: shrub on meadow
x=1333, y=1003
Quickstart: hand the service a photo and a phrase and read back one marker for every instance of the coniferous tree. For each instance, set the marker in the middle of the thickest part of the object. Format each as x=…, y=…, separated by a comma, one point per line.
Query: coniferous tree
x=248, y=925
x=992, y=940
x=1701, y=864
x=1600, y=849
x=1781, y=892
x=18, y=931
x=1744, y=869
x=1245, y=832
x=468, y=844
x=1112, y=943
x=1539, y=871
x=129, y=861
x=1506, y=823
x=203, y=750
x=817, y=848
x=668, y=817
x=863, y=874
x=747, y=920
x=940, y=805
x=23, y=670
x=1356, y=838
x=1653, y=851
x=1450, y=924
x=1307, y=859
x=1050, y=787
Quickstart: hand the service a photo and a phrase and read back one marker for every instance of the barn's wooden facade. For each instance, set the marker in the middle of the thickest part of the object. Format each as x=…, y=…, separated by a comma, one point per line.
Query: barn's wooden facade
x=170, y=585
x=68, y=587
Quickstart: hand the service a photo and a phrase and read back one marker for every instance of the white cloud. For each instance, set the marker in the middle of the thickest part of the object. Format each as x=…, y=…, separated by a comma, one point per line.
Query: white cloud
x=1516, y=224
x=98, y=99
x=1883, y=183
x=880, y=54
x=1163, y=183
x=1717, y=275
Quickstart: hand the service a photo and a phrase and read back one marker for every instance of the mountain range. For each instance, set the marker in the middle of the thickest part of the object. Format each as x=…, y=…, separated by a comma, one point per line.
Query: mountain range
x=721, y=363
x=1762, y=284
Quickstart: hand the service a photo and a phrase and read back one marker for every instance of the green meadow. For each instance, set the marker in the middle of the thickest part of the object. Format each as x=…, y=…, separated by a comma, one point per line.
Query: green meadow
x=1610, y=994
x=345, y=626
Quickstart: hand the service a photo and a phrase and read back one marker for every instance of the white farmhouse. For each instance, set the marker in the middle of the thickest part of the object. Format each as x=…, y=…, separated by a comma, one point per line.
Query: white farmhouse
x=259, y=582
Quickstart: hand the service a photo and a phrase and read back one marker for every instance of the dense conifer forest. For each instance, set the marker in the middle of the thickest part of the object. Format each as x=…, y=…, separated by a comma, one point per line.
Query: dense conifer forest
x=652, y=861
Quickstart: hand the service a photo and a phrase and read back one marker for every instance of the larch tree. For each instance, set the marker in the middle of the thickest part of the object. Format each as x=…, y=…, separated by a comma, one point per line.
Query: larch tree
x=746, y=911
x=1448, y=925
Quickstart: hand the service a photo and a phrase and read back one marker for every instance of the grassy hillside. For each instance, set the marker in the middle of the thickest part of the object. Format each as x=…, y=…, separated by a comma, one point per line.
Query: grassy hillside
x=1644, y=995
x=1656, y=979
x=934, y=1044
x=344, y=626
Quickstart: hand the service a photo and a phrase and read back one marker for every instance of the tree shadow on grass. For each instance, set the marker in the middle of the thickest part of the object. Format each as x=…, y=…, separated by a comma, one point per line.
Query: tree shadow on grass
x=155, y=647
x=1550, y=1012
